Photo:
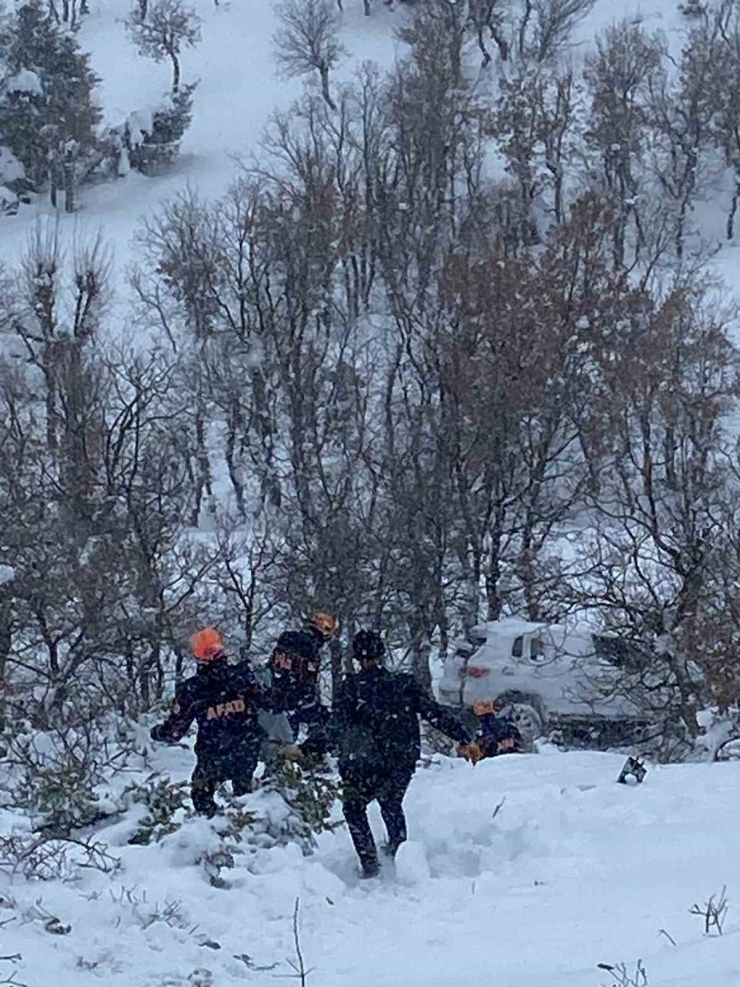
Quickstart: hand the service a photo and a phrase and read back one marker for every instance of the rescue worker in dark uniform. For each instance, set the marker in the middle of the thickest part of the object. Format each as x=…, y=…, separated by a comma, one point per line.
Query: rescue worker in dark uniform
x=225, y=701
x=294, y=672
x=374, y=727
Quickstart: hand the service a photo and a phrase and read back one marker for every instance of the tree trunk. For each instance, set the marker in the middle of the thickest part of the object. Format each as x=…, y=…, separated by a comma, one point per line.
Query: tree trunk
x=175, y=72
x=69, y=187
x=6, y=640
x=733, y=211
x=493, y=575
x=324, y=73
x=526, y=16
x=420, y=650
x=53, y=186
x=234, y=422
x=484, y=51
x=527, y=574
x=420, y=665
x=503, y=44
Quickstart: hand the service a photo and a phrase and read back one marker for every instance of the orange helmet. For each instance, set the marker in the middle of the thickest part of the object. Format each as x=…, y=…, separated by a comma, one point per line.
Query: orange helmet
x=206, y=644
x=324, y=623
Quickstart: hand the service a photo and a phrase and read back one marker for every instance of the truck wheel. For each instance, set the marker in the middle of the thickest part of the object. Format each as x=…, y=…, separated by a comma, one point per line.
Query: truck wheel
x=528, y=722
x=729, y=750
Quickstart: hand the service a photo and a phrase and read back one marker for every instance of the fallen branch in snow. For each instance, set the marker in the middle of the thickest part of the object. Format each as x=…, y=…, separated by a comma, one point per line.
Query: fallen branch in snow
x=498, y=808
x=713, y=911
x=251, y=965
x=12, y=982
x=669, y=937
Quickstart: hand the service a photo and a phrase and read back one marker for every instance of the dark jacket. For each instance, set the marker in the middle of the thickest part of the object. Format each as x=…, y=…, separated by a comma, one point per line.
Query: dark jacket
x=498, y=736
x=225, y=701
x=374, y=725
x=294, y=677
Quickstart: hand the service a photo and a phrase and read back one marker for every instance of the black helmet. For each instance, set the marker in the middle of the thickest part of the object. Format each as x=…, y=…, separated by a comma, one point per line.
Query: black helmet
x=368, y=646
x=297, y=643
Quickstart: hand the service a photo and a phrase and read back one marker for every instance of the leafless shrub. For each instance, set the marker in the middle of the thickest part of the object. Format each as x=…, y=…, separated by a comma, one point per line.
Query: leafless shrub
x=170, y=913
x=713, y=911
x=623, y=978
x=55, y=771
x=49, y=858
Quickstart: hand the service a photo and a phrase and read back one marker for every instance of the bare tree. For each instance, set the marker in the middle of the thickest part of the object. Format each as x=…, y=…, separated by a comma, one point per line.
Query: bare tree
x=537, y=126
x=682, y=113
x=715, y=44
x=619, y=76
x=543, y=27
x=162, y=30
x=307, y=40
x=661, y=390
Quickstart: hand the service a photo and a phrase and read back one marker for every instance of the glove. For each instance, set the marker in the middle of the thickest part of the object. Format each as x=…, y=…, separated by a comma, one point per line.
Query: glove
x=471, y=752
x=291, y=752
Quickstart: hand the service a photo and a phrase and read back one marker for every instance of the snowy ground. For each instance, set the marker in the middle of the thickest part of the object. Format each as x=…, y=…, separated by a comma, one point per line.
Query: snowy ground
x=574, y=871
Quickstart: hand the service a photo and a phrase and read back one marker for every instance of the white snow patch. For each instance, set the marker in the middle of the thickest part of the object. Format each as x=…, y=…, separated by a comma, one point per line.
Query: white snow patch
x=7, y=574
x=26, y=82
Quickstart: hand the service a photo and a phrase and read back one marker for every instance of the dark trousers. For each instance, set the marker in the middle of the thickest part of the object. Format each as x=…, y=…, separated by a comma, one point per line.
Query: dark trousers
x=360, y=788
x=210, y=772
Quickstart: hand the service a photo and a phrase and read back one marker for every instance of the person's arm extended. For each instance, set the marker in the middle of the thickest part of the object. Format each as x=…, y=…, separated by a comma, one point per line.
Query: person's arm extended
x=178, y=722
x=440, y=717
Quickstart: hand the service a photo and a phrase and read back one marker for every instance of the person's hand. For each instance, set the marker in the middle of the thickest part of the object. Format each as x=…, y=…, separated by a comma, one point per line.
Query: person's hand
x=291, y=752
x=471, y=752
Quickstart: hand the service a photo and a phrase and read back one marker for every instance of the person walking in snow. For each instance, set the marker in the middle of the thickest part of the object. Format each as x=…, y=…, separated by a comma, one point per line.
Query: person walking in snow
x=225, y=700
x=374, y=727
x=294, y=672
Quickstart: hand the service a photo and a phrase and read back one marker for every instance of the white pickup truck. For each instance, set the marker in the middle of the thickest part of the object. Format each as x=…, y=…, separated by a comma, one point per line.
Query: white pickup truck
x=553, y=677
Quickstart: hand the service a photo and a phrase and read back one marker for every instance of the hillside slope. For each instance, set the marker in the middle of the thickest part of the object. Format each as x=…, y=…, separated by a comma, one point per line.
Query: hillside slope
x=238, y=90
x=573, y=871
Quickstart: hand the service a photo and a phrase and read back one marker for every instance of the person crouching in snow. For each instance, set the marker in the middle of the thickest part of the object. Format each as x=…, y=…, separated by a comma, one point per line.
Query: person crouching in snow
x=225, y=701
x=374, y=727
x=496, y=735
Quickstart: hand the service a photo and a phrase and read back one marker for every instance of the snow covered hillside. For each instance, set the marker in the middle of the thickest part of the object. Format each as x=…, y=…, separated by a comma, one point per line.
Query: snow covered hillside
x=573, y=871
x=239, y=87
